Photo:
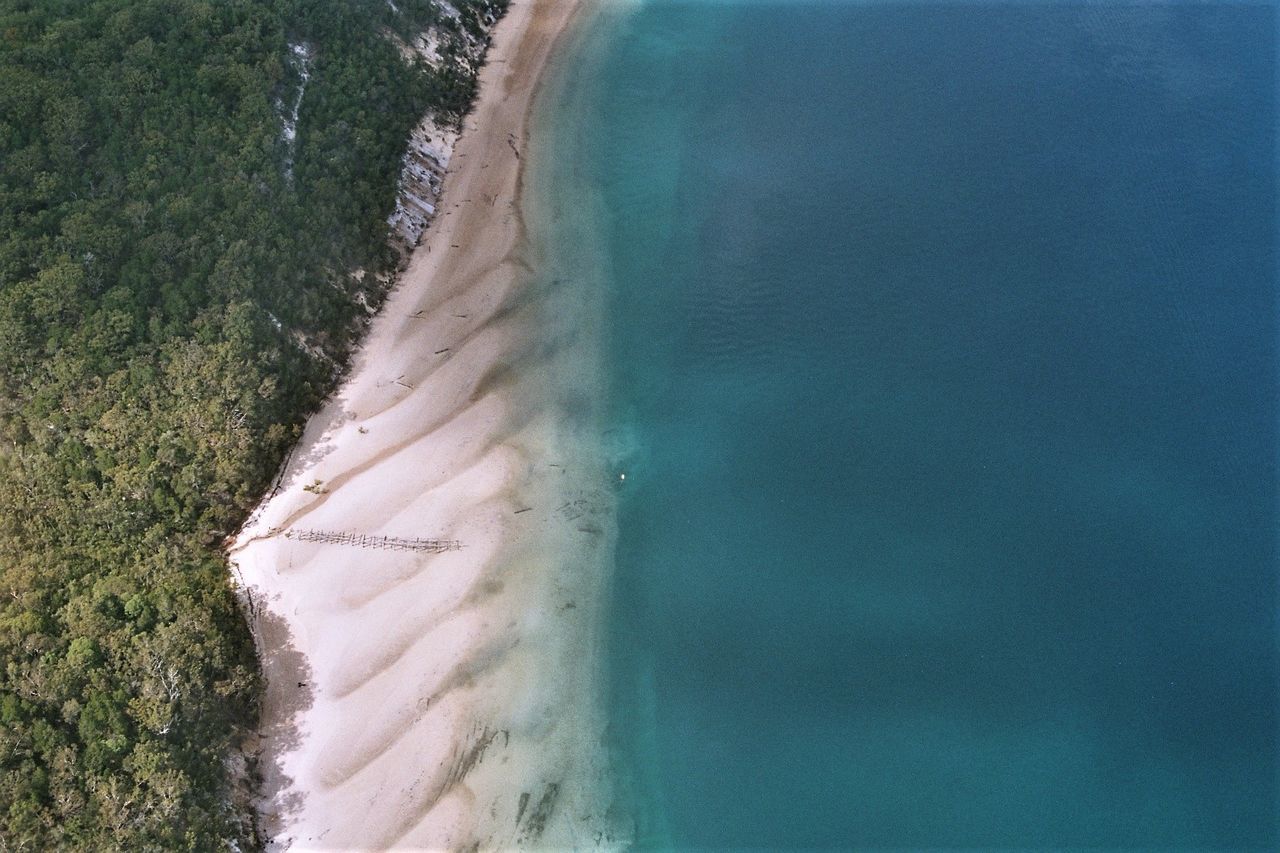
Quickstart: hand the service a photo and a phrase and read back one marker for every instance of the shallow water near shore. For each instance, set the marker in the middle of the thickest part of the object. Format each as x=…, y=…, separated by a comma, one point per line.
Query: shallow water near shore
x=941, y=346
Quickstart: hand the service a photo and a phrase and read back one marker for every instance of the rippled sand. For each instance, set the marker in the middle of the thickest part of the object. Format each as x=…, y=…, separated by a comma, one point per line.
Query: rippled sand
x=446, y=700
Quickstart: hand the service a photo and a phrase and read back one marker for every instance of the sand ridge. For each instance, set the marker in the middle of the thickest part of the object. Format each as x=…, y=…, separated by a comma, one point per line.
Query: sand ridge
x=421, y=700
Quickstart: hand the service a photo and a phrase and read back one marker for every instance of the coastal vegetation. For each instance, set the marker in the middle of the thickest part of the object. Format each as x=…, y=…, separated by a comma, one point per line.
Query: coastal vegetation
x=193, y=203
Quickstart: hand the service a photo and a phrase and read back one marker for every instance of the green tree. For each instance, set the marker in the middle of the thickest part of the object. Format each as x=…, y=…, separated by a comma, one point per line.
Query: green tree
x=173, y=301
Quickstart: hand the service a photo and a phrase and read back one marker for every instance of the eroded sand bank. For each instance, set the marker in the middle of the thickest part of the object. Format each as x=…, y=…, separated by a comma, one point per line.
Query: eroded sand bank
x=446, y=700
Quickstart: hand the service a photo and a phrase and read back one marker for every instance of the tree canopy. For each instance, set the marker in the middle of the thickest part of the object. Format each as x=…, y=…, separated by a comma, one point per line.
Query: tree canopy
x=179, y=281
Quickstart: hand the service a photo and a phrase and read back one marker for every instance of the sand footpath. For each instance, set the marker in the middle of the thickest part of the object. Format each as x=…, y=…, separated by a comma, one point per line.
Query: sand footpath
x=443, y=694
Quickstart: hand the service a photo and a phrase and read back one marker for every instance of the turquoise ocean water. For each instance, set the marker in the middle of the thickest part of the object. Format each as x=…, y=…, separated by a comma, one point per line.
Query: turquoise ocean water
x=942, y=359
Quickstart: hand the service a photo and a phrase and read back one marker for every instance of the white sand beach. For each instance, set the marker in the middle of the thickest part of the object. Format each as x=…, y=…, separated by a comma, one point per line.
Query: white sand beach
x=424, y=700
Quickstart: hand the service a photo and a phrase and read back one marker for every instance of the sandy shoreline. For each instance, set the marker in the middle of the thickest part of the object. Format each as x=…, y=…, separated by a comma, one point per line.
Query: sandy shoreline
x=445, y=700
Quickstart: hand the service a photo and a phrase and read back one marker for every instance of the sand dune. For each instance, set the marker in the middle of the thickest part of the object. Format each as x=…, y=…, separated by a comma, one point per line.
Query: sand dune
x=444, y=700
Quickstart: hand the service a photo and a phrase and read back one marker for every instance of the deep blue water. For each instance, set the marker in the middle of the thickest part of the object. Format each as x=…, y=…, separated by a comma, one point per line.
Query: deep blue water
x=944, y=352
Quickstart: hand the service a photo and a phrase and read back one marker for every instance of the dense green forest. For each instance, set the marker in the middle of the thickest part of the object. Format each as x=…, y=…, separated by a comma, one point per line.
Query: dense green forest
x=176, y=293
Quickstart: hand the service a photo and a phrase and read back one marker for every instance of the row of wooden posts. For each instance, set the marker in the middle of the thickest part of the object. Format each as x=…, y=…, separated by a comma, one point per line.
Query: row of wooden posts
x=364, y=540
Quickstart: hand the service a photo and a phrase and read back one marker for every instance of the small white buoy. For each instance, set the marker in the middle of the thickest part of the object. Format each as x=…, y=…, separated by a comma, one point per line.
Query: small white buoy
x=622, y=476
